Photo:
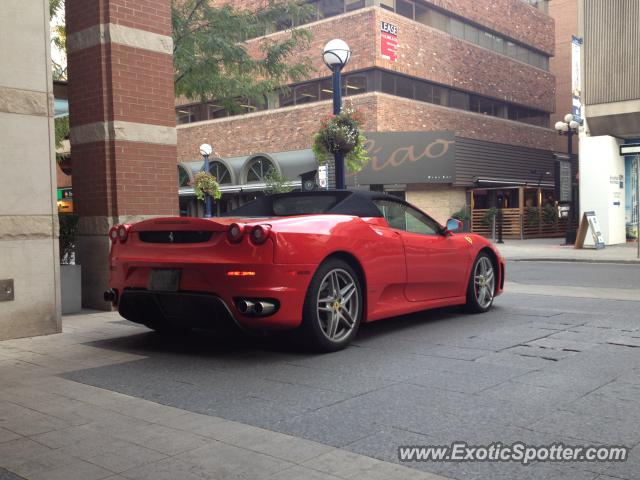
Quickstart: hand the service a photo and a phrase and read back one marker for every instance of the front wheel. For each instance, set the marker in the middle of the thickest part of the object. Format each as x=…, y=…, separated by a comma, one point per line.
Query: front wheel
x=482, y=285
x=333, y=307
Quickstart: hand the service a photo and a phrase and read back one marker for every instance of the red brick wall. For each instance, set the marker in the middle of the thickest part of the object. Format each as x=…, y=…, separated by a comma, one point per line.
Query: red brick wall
x=514, y=18
x=565, y=13
x=148, y=15
x=289, y=128
x=434, y=55
x=425, y=52
x=293, y=128
x=400, y=114
x=113, y=82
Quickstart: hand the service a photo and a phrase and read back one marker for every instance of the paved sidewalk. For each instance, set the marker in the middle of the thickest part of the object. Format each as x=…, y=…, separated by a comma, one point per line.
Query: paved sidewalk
x=53, y=428
x=553, y=249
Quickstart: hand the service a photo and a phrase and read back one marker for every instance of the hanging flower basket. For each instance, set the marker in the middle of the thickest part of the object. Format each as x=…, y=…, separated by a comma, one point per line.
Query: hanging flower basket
x=206, y=184
x=341, y=134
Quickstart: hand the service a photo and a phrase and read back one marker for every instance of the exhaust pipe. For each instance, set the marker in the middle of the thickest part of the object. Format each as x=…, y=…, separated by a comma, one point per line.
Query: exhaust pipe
x=264, y=308
x=110, y=296
x=246, y=307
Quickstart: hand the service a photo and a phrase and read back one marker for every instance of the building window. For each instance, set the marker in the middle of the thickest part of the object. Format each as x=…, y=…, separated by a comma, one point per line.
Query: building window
x=459, y=100
x=220, y=171
x=355, y=84
x=330, y=8
x=404, y=8
x=306, y=93
x=387, y=5
x=350, y=5
x=183, y=177
x=187, y=114
x=382, y=81
x=258, y=169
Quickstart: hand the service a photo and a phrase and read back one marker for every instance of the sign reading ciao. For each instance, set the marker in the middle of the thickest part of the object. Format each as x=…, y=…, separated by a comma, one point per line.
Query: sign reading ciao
x=408, y=157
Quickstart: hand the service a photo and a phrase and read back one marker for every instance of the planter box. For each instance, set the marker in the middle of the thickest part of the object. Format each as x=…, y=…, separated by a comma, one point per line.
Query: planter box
x=71, y=288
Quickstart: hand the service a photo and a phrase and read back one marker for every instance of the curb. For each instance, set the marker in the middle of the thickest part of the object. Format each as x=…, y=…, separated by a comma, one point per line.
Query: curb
x=574, y=260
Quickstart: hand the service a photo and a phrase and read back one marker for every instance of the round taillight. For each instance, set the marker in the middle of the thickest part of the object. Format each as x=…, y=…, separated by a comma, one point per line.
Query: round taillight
x=122, y=233
x=259, y=234
x=113, y=233
x=235, y=232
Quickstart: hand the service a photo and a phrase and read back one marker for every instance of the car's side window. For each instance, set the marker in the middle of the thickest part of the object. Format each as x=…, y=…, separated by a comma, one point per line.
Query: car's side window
x=403, y=217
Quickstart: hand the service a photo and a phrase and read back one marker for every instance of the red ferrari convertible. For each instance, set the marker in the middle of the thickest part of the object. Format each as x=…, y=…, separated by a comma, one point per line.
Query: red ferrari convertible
x=321, y=262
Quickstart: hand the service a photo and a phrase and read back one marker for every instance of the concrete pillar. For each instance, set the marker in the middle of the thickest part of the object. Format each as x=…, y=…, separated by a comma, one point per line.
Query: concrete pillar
x=29, y=262
x=123, y=137
x=602, y=186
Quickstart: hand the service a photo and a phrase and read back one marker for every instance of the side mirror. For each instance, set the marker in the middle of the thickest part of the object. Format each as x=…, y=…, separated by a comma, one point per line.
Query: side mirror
x=453, y=225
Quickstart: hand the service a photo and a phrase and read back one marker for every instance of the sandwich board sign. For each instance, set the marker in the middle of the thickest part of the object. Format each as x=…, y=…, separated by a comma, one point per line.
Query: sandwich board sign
x=589, y=222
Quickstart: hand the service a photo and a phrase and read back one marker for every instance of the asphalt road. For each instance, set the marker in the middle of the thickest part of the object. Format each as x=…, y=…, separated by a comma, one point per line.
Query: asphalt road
x=603, y=275
x=537, y=369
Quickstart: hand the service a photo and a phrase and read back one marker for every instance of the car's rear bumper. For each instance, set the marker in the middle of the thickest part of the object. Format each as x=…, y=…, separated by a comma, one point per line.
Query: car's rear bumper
x=207, y=293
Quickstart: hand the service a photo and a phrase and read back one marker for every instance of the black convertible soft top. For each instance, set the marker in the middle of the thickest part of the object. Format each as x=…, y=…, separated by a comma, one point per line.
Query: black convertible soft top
x=358, y=203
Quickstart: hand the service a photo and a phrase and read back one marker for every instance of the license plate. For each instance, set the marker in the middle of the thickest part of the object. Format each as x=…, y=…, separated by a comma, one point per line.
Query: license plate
x=165, y=280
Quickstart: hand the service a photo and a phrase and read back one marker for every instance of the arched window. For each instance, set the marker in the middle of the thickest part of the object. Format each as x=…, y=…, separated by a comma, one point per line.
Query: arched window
x=258, y=169
x=183, y=177
x=220, y=171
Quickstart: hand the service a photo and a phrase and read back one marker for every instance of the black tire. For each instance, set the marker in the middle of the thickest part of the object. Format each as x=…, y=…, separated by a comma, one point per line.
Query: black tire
x=315, y=324
x=476, y=303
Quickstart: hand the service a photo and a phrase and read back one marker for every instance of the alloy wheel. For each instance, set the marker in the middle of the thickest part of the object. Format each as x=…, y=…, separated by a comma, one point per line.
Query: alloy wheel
x=337, y=304
x=484, y=282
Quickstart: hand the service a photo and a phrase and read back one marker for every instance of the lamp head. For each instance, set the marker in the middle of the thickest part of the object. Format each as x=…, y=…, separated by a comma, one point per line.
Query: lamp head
x=561, y=126
x=336, y=53
x=205, y=149
x=568, y=118
x=573, y=125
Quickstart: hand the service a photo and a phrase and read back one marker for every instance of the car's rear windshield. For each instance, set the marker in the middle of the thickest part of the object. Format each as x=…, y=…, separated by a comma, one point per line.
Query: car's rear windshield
x=303, y=205
x=341, y=202
x=284, y=205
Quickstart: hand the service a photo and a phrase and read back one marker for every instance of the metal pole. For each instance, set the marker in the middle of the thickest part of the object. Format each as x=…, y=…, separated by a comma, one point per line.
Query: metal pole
x=337, y=108
x=207, y=197
x=638, y=203
x=570, y=237
x=500, y=218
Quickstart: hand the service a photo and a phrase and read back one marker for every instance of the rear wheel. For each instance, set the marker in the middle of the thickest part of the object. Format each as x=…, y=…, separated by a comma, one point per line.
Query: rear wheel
x=482, y=285
x=333, y=307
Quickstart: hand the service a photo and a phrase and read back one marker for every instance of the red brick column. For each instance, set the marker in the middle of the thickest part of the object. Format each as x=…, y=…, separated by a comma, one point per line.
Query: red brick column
x=123, y=137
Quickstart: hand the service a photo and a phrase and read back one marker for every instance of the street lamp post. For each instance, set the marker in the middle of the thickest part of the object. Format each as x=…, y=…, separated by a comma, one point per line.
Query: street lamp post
x=336, y=55
x=205, y=151
x=569, y=127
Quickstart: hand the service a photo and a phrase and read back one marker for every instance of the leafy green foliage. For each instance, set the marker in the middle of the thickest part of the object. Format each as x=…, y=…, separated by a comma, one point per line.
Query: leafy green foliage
x=550, y=214
x=206, y=184
x=492, y=214
x=211, y=58
x=341, y=133
x=58, y=37
x=68, y=227
x=61, y=126
x=276, y=182
x=462, y=214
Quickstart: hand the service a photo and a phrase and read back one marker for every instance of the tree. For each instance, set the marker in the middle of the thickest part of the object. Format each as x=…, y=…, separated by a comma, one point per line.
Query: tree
x=211, y=59
x=58, y=39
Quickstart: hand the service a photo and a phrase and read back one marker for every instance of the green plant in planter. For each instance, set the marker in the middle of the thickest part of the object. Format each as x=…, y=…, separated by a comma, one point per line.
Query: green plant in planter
x=205, y=183
x=550, y=214
x=490, y=214
x=68, y=226
x=531, y=216
x=276, y=182
x=341, y=133
x=461, y=214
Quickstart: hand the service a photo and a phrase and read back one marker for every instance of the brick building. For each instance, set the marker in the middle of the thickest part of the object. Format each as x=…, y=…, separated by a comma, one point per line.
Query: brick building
x=470, y=74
